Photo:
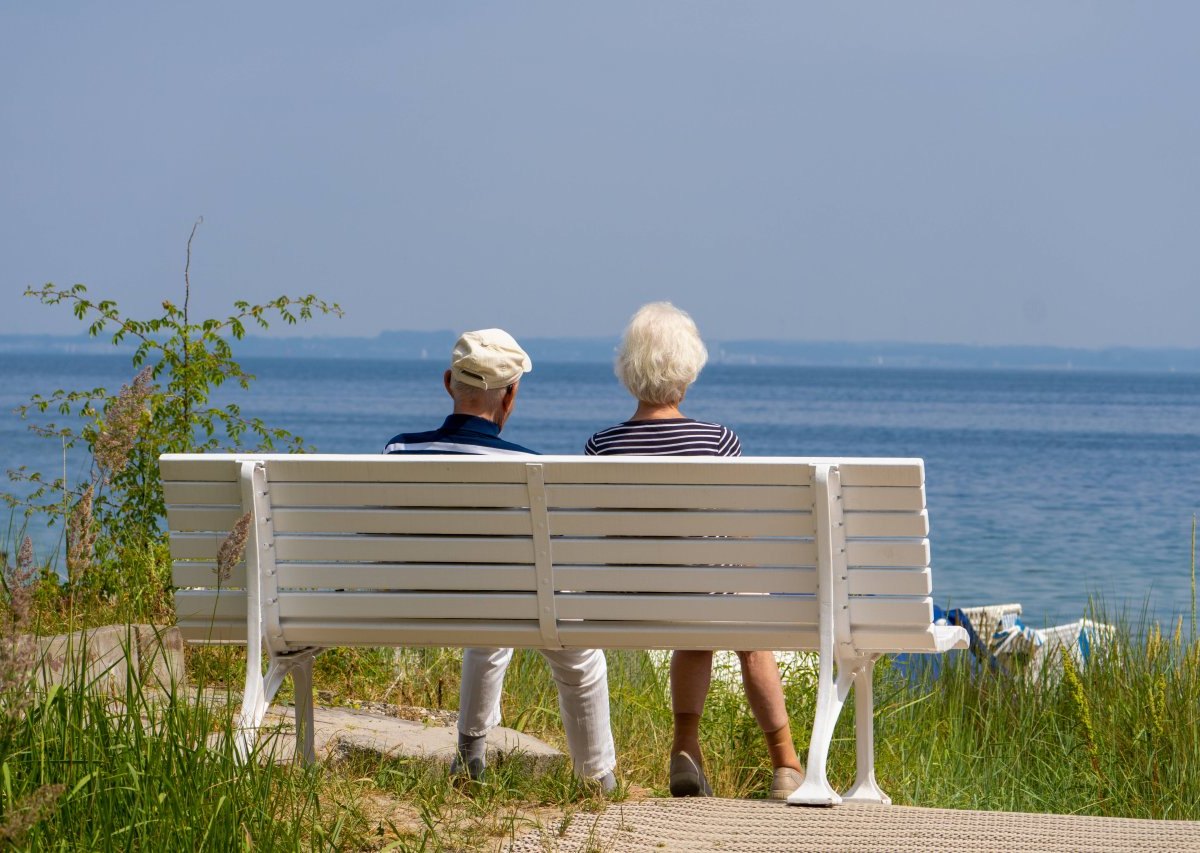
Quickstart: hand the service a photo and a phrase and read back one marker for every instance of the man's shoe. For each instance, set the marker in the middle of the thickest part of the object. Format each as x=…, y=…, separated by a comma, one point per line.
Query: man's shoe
x=687, y=779
x=784, y=782
x=471, y=755
x=474, y=767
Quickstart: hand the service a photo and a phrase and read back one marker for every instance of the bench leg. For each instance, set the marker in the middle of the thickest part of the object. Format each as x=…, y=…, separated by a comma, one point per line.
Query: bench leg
x=261, y=689
x=831, y=697
x=865, y=788
x=302, y=682
x=256, y=698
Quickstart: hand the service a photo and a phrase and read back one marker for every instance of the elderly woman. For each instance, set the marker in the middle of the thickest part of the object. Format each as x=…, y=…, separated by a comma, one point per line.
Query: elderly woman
x=660, y=356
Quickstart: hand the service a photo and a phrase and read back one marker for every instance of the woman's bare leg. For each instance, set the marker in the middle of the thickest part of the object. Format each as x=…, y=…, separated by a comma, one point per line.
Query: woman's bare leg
x=764, y=692
x=691, y=672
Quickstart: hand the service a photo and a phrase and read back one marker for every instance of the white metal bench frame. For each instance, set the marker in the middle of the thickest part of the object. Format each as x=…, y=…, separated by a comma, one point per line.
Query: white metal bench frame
x=879, y=575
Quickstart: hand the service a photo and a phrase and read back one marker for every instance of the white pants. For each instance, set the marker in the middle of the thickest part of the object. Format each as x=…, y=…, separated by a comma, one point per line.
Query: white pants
x=582, y=679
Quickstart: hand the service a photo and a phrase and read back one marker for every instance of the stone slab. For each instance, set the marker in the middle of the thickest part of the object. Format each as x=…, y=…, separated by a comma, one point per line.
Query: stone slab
x=98, y=658
x=107, y=658
x=339, y=732
x=160, y=656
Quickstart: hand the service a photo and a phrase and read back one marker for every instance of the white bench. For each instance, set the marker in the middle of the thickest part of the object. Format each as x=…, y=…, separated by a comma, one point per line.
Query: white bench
x=829, y=555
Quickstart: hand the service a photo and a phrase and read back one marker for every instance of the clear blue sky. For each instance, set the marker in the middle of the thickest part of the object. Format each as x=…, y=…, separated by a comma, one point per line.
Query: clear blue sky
x=1024, y=173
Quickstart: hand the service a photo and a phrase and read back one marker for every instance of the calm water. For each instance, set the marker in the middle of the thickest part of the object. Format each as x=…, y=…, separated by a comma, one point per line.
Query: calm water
x=1043, y=487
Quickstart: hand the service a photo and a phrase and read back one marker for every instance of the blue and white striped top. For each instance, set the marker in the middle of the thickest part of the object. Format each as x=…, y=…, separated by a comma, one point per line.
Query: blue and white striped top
x=459, y=434
x=667, y=437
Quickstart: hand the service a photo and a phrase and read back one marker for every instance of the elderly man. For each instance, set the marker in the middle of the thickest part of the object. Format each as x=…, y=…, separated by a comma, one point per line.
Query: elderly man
x=485, y=372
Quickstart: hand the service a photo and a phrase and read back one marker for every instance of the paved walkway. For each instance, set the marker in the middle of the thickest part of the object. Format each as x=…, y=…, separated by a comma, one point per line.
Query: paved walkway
x=757, y=826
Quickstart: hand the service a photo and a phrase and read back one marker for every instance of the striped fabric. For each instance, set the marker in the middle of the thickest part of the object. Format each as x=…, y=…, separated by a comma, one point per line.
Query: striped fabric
x=460, y=434
x=668, y=437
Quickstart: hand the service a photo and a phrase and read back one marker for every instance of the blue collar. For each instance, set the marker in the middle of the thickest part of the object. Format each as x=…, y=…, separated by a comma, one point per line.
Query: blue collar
x=470, y=423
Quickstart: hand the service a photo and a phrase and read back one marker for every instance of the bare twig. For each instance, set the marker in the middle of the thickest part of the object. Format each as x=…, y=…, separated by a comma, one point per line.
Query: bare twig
x=187, y=295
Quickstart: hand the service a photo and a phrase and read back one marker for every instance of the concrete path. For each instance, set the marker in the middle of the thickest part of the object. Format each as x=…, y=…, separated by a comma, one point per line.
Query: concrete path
x=342, y=732
x=699, y=825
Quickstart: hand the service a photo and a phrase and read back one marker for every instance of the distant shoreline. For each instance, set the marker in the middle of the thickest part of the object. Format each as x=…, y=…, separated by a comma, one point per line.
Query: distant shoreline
x=406, y=345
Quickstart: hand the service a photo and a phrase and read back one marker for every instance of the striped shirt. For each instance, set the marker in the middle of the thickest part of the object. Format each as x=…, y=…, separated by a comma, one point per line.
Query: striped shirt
x=667, y=437
x=460, y=434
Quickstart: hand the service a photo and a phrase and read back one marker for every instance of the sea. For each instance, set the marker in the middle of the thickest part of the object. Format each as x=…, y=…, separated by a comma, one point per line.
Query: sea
x=1054, y=489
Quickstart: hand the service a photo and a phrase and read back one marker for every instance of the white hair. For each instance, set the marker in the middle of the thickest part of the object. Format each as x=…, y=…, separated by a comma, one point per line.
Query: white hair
x=661, y=354
x=476, y=396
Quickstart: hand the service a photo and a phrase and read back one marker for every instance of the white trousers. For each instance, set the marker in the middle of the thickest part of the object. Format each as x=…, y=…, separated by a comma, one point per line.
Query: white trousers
x=582, y=679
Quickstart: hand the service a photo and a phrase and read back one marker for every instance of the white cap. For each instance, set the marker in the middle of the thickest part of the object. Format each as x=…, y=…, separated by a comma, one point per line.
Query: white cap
x=488, y=358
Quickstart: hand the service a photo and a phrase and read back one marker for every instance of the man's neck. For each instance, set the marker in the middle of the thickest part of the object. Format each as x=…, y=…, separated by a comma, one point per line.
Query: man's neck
x=477, y=413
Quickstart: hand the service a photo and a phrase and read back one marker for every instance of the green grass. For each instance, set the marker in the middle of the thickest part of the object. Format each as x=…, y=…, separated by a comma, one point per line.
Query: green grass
x=1119, y=737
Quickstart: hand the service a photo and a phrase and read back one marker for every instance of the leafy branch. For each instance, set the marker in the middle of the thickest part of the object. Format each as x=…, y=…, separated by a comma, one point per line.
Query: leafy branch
x=167, y=409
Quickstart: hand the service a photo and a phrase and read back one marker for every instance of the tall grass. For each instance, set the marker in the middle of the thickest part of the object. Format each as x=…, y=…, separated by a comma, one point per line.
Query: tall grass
x=133, y=774
x=1119, y=736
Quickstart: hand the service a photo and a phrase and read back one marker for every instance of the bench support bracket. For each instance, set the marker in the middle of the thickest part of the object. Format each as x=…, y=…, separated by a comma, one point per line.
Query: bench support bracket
x=853, y=668
x=262, y=624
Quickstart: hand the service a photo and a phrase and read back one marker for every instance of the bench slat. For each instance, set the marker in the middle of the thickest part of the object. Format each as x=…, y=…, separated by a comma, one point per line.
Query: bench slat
x=352, y=606
x=890, y=581
x=883, y=498
x=592, y=634
x=887, y=524
x=882, y=611
x=398, y=494
x=500, y=522
x=744, y=471
x=203, y=518
x=615, y=607
x=196, y=546
x=693, y=523
x=781, y=498
x=416, y=549
x=855, y=471
x=377, y=468
x=674, y=552
x=387, y=576
x=681, y=635
x=685, y=579
x=889, y=641
x=423, y=522
x=204, y=574
x=220, y=633
x=190, y=492
x=204, y=605
x=881, y=472
x=207, y=467
x=427, y=633
x=892, y=554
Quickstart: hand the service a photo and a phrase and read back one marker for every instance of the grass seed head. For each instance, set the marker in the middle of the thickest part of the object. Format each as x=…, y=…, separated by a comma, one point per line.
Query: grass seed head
x=233, y=549
x=30, y=810
x=122, y=423
x=18, y=649
x=81, y=534
x=17, y=580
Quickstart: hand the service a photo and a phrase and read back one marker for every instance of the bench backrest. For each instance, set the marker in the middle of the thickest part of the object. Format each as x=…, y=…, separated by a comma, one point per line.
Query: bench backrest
x=571, y=551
